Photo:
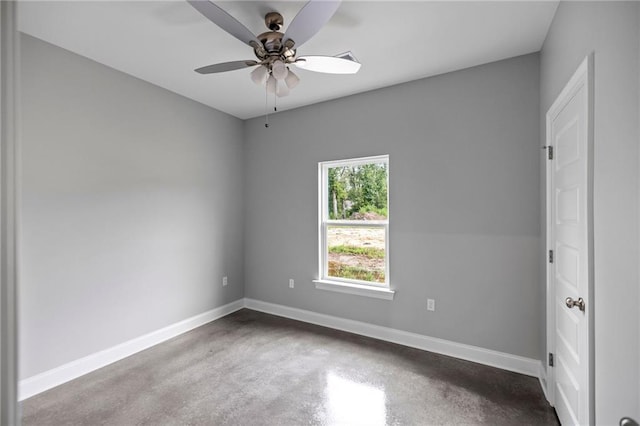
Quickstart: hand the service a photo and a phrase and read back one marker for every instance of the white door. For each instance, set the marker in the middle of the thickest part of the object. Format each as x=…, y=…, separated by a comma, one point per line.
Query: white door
x=569, y=236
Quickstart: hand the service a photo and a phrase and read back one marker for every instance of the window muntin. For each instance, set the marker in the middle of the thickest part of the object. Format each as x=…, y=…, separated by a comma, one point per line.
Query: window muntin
x=354, y=221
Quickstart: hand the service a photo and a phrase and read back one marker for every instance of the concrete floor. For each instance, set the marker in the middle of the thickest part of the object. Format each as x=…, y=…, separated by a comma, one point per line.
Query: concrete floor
x=251, y=368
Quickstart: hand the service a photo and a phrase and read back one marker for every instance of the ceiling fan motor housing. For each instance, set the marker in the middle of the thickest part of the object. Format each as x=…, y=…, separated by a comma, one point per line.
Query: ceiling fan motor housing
x=271, y=41
x=271, y=47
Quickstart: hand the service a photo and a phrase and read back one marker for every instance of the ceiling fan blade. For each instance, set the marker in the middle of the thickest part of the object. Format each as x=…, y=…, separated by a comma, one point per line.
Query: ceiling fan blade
x=328, y=64
x=225, y=66
x=311, y=18
x=225, y=21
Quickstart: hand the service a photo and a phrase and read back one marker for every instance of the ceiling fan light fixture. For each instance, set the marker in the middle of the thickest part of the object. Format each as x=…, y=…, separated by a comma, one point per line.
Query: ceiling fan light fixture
x=291, y=80
x=279, y=70
x=259, y=75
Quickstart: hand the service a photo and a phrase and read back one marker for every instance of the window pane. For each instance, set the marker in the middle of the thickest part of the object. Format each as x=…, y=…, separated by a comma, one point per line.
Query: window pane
x=357, y=192
x=356, y=252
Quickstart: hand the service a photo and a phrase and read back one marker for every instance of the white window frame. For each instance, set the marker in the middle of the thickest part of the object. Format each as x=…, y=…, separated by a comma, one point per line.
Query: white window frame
x=346, y=285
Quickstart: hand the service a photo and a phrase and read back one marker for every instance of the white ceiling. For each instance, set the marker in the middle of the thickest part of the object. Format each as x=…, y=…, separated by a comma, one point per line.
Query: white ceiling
x=162, y=42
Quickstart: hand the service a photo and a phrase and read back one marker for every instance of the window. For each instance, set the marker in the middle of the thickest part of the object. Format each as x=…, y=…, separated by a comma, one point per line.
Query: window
x=354, y=223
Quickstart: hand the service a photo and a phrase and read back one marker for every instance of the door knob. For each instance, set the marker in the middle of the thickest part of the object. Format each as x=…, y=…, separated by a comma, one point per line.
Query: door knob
x=573, y=303
x=626, y=421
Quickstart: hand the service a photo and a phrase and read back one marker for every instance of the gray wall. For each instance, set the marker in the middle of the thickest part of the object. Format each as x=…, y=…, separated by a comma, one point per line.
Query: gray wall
x=609, y=29
x=464, y=203
x=131, y=208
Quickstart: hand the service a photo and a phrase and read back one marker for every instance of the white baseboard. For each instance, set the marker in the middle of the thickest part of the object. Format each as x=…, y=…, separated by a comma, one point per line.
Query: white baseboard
x=57, y=376
x=518, y=364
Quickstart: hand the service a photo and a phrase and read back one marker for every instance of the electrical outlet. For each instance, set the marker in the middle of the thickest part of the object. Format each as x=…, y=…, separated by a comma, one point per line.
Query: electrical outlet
x=224, y=281
x=291, y=283
x=431, y=305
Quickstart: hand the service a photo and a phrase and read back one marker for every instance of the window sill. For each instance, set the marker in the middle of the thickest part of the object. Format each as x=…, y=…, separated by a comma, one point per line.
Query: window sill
x=357, y=289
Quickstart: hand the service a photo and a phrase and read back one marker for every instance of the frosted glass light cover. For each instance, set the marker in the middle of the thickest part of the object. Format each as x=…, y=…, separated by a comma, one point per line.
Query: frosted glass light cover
x=291, y=80
x=282, y=89
x=259, y=75
x=279, y=70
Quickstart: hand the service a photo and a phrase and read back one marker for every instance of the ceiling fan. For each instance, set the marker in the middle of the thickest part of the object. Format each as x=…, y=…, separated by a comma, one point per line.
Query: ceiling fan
x=275, y=51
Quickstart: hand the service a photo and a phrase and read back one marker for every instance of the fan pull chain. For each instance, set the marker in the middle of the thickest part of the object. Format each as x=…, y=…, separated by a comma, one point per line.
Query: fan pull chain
x=266, y=107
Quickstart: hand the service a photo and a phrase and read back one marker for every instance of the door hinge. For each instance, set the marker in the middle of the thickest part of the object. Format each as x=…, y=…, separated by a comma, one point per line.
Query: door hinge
x=550, y=256
x=550, y=359
x=550, y=151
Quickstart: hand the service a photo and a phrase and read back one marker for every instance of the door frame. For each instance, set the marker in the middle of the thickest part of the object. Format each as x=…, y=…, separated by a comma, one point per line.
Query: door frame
x=582, y=77
x=9, y=87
